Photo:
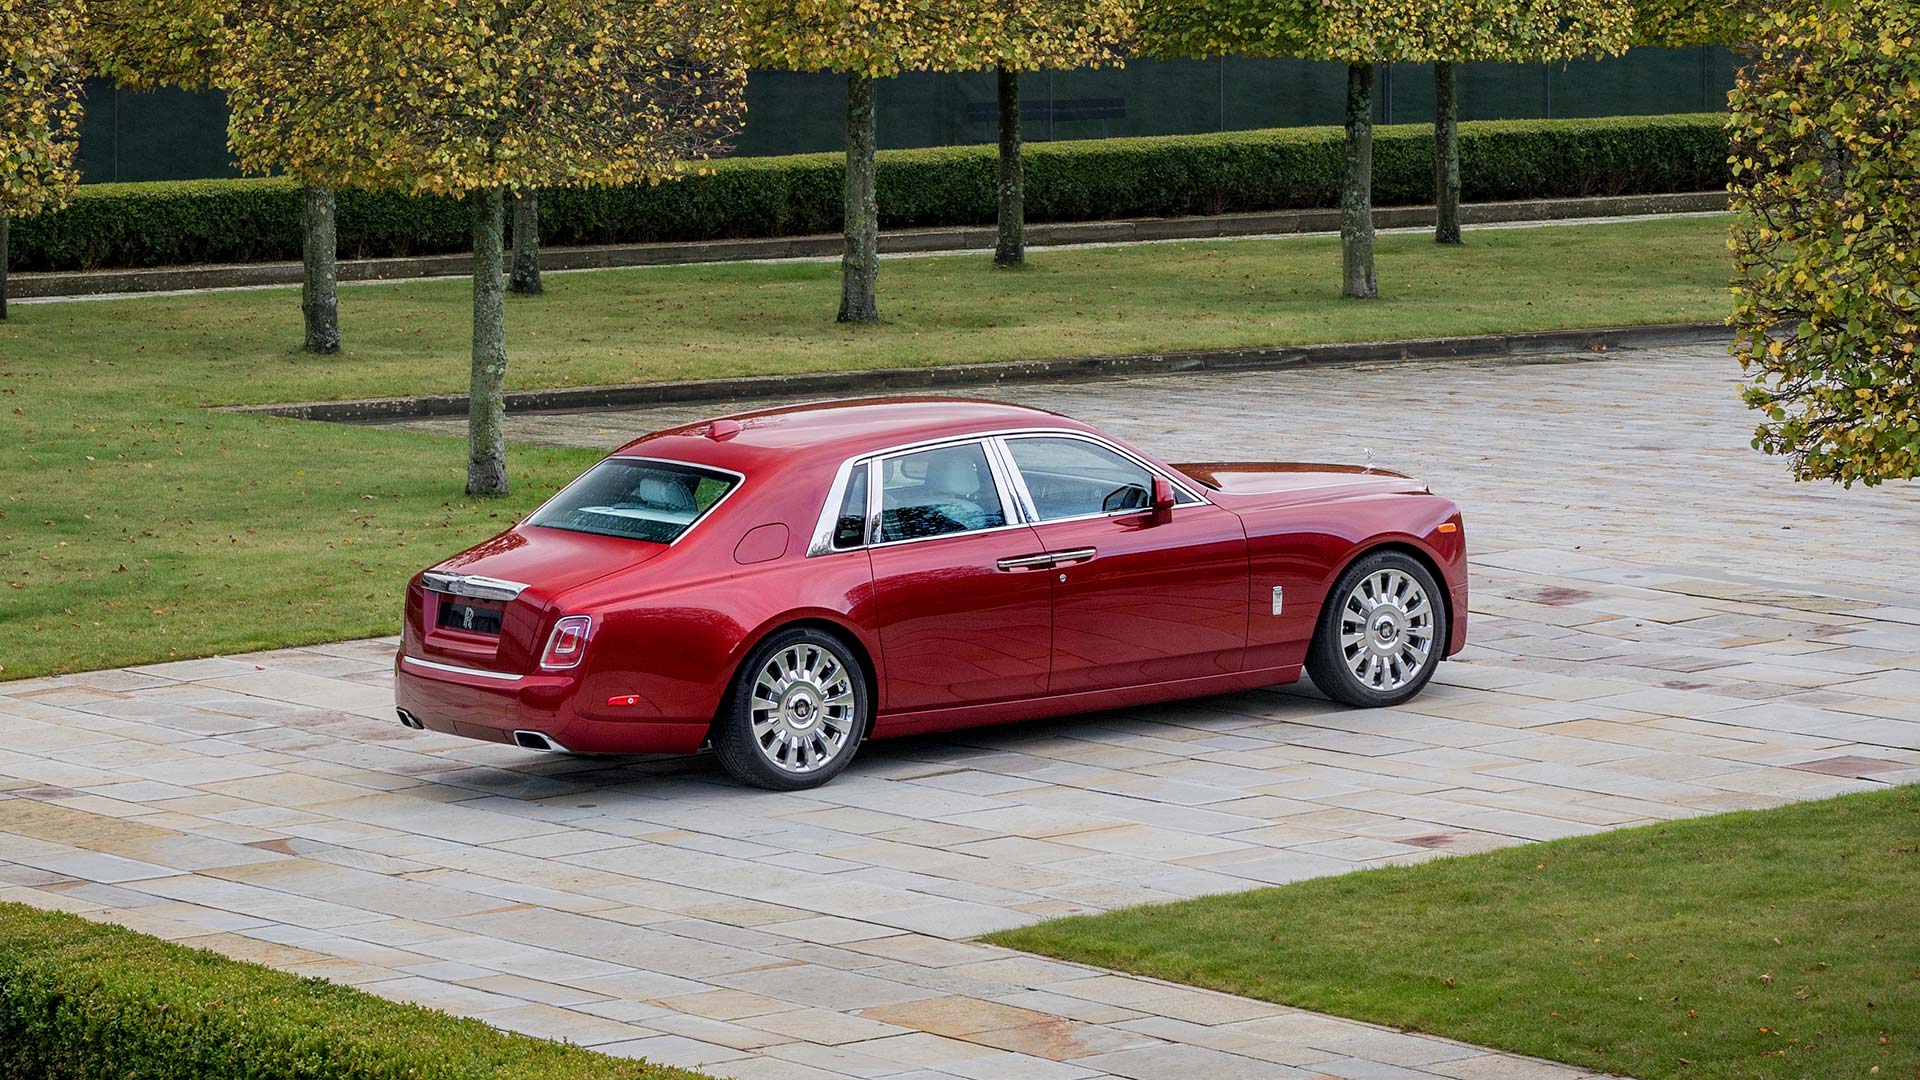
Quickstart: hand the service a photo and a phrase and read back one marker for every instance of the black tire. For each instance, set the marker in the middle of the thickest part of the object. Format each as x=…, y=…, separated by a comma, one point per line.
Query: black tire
x=775, y=754
x=1329, y=662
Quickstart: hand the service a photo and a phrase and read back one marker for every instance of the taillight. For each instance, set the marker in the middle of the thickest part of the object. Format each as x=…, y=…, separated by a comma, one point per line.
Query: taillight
x=568, y=644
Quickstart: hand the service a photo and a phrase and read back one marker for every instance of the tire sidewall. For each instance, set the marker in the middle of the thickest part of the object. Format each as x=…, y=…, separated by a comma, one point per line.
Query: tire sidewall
x=1325, y=662
x=733, y=739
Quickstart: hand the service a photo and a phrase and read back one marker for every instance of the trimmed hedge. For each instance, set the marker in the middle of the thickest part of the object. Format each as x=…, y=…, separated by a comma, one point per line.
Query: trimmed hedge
x=81, y=1001
x=116, y=225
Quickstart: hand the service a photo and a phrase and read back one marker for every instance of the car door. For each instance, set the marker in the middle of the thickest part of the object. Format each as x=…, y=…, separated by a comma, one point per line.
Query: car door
x=963, y=620
x=1135, y=600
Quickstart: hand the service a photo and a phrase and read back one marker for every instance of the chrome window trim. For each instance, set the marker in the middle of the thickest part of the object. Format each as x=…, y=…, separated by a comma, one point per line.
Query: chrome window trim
x=434, y=665
x=1006, y=476
x=739, y=481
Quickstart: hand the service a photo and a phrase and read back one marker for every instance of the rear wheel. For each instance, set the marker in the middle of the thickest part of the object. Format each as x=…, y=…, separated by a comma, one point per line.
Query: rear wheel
x=1381, y=633
x=796, y=712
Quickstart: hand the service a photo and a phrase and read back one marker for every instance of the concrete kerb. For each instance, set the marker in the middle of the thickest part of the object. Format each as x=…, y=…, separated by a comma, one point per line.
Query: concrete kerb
x=954, y=376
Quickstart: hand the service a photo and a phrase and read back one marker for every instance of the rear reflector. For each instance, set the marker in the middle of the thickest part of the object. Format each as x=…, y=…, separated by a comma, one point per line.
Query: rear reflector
x=623, y=701
x=568, y=645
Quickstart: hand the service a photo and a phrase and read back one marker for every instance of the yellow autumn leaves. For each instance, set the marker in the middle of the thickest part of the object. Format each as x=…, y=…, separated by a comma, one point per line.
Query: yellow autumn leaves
x=882, y=38
x=1825, y=132
x=40, y=72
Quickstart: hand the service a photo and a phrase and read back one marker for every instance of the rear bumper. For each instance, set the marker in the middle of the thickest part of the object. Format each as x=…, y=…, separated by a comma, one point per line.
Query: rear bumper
x=492, y=707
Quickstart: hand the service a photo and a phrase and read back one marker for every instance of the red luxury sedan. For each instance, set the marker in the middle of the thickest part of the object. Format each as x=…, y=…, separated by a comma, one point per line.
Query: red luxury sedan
x=784, y=584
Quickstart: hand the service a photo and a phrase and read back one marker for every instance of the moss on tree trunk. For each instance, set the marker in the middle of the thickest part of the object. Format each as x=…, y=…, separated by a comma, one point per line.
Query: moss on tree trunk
x=1446, y=156
x=320, y=287
x=486, y=409
x=1011, y=250
x=525, y=276
x=860, y=265
x=4, y=224
x=1356, y=196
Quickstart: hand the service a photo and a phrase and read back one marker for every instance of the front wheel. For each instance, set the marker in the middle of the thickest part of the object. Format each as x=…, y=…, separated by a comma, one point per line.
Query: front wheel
x=1381, y=633
x=796, y=712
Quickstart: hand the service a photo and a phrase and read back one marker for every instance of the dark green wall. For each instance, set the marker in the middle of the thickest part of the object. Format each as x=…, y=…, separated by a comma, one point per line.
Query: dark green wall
x=171, y=135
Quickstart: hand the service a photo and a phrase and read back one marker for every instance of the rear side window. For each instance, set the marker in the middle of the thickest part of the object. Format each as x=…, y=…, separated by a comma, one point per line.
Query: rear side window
x=935, y=492
x=654, y=501
x=850, y=527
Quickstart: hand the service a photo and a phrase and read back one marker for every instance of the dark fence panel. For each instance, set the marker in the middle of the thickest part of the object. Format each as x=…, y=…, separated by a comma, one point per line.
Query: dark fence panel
x=172, y=135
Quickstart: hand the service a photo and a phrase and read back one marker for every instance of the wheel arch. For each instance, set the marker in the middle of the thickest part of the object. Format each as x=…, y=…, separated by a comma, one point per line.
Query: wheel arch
x=1418, y=554
x=846, y=635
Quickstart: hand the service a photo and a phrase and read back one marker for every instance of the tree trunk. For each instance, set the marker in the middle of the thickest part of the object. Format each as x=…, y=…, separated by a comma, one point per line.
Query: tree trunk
x=486, y=409
x=1446, y=157
x=4, y=222
x=320, y=290
x=860, y=265
x=525, y=278
x=1011, y=251
x=1356, y=199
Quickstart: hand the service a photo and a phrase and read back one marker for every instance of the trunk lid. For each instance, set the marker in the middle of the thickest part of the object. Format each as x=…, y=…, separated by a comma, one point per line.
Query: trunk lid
x=491, y=605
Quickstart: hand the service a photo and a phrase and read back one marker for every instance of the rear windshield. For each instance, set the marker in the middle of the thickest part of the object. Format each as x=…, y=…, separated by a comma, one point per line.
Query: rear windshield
x=654, y=501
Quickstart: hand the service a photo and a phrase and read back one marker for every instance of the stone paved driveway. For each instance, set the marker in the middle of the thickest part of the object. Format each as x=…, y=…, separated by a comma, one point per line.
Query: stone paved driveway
x=1663, y=626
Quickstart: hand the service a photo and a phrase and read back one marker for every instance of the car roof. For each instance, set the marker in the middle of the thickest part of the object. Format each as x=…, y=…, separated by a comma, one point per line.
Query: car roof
x=836, y=430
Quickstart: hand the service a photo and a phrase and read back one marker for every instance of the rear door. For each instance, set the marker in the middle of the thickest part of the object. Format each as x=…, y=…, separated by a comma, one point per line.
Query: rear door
x=965, y=611
x=1134, y=602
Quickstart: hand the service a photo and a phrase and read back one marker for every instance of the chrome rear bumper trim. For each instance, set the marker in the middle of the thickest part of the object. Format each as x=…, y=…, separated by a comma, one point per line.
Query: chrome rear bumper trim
x=430, y=665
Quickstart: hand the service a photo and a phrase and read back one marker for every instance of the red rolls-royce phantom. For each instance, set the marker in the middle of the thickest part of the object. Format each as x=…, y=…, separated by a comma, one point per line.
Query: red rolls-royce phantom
x=785, y=584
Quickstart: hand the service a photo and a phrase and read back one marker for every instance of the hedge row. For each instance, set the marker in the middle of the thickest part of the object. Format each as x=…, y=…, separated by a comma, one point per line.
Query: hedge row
x=113, y=225
x=80, y=1001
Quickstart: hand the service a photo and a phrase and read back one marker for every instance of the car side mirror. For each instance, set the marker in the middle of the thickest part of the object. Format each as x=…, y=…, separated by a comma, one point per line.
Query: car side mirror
x=1162, y=500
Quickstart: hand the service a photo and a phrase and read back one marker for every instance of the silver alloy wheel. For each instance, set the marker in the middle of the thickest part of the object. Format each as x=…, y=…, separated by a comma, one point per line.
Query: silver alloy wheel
x=1386, y=630
x=803, y=708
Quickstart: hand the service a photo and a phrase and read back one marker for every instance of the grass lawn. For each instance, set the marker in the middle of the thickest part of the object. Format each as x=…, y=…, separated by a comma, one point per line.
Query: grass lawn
x=1770, y=944
x=136, y=526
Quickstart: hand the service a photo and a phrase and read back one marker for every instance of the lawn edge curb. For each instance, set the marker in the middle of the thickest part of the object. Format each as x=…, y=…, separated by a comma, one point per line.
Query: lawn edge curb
x=74, y=283
x=831, y=383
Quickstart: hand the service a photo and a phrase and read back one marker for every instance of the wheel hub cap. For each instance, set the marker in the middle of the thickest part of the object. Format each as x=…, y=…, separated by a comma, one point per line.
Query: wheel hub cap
x=803, y=708
x=1386, y=629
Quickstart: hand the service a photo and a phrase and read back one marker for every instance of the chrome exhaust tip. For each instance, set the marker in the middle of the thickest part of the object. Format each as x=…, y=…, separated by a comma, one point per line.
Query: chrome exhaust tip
x=537, y=740
x=408, y=720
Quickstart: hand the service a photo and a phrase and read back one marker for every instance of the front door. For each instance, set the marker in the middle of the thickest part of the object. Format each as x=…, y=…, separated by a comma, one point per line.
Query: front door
x=1133, y=601
x=962, y=620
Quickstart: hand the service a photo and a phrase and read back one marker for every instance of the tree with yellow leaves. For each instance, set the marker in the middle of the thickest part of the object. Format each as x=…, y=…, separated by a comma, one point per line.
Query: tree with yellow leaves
x=1042, y=35
x=1825, y=136
x=142, y=44
x=40, y=71
x=1362, y=34
x=1510, y=32
x=476, y=98
x=864, y=40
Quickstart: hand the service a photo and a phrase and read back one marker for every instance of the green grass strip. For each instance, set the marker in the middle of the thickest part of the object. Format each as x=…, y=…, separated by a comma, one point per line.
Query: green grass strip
x=1781, y=944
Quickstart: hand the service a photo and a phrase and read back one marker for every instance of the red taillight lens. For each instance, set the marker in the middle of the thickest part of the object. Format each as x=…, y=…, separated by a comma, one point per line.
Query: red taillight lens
x=568, y=645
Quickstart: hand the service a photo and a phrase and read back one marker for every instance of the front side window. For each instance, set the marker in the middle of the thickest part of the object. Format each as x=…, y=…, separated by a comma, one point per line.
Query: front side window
x=1076, y=478
x=935, y=492
x=654, y=501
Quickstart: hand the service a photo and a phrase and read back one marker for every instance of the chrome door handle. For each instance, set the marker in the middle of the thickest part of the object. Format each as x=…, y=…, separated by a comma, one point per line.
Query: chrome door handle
x=1027, y=562
x=1072, y=555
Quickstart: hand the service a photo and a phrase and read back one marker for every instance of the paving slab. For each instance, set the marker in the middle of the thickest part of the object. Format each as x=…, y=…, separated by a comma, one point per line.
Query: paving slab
x=1664, y=626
